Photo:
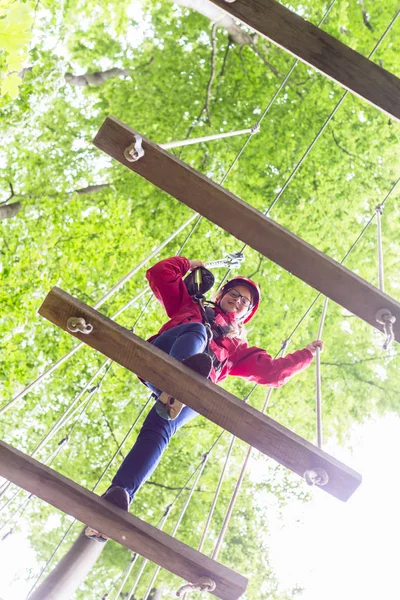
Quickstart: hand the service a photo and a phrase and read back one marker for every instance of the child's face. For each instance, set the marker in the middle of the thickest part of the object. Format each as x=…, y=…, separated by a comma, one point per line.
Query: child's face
x=237, y=300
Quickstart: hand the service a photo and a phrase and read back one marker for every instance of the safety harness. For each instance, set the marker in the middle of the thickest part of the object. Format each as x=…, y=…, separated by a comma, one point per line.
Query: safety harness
x=198, y=282
x=214, y=331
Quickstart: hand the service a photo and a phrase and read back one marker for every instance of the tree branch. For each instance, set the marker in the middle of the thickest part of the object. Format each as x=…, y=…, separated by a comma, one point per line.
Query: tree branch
x=358, y=158
x=209, y=85
x=7, y=211
x=112, y=433
x=220, y=18
x=99, y=77
x=96, y=78
x=212, y=74
x=260, y=260
x=357, y=362
x=365, y=17
x=173, y=489
x=265, y=61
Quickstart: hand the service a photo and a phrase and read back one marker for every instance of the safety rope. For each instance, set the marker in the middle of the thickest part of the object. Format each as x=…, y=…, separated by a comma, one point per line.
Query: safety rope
x=49, y=461
x=312, y=476
x=375, y=48
x=381, y=281
x=93, y=490
x=254, y=130
x=318, y=398
x=100, y=302
x=216, y=550
x=68, y=414
x=179, y=520
x=209, y=138
x=383, y=316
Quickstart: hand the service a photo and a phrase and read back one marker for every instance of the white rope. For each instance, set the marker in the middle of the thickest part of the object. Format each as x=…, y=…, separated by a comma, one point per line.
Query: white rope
x=144, y=262
x=209, y=138
x=379, y=211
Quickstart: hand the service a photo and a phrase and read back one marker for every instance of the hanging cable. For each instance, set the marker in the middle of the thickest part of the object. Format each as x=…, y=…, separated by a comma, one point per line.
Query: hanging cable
x=318, y=375
x=93, y=490
x=254, y=130
x=378, y=212
x=239, y=482
x=96, y=306
x=179, y=520
x=208, y=138
x=49, y=461
x=115, y=288
x=68, y=415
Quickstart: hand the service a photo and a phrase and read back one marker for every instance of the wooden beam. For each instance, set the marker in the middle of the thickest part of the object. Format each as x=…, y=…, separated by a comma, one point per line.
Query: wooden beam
x=122, y=527
x=153, y=365
x=249, y=225
x=320, y=50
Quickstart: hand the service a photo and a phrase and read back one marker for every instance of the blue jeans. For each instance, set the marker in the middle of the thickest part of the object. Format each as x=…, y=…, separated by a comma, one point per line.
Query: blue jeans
x=180, y=342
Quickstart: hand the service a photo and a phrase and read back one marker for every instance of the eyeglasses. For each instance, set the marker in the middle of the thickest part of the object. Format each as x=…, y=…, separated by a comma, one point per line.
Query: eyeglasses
x=243, y=299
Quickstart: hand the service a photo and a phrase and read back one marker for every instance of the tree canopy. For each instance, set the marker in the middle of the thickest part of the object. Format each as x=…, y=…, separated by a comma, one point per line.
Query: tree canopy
x=71, y=217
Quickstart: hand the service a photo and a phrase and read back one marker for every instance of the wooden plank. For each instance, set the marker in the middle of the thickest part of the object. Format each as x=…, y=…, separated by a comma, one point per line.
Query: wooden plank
x=122, y=527
x=249, y=225
x=320, y=50
x=208, y=399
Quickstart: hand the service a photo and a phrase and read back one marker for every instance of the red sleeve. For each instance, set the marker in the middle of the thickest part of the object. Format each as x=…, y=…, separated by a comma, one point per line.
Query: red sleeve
x=254, y=364
x=165, y=280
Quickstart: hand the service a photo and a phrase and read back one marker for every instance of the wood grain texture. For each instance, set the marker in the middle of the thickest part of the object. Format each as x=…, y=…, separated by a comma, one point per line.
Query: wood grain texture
x=208, y=399
x=320, y=50
x=157, y=546
x=249, y=225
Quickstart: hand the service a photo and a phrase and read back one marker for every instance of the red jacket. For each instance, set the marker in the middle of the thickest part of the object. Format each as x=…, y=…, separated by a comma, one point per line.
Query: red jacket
x=251, y=363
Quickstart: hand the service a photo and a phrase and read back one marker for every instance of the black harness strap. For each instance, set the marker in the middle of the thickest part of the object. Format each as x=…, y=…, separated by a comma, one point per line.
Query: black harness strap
x=214, y=331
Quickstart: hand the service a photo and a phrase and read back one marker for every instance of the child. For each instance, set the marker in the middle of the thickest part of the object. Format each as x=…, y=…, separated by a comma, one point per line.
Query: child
x=185, y=338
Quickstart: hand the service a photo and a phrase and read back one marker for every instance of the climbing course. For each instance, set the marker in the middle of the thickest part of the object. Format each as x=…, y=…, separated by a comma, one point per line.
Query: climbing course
x=121, y=345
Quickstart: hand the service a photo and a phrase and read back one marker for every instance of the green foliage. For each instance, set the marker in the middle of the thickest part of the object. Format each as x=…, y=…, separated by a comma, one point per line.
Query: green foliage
x=86, y=242
x=15, y=35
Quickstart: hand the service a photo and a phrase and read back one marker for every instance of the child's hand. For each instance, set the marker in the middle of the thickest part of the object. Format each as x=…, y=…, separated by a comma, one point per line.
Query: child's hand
x=194, y=264
x=314, y=345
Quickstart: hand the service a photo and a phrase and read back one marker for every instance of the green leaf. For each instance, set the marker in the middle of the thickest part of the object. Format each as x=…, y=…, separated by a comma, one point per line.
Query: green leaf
x=10, y=85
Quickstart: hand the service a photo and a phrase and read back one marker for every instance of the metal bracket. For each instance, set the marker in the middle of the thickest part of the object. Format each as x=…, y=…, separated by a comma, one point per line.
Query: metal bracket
x=233, y=261
x=79, y=325
x=135, y=151
x=316, y=476
x=384, y=317
x=204, y=584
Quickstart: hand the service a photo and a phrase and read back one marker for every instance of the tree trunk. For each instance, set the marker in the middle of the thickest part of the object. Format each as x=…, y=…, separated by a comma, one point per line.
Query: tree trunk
x=70, y=572
x=9, y=210
x=92, y=189
x=95, y=78
x=220, y=17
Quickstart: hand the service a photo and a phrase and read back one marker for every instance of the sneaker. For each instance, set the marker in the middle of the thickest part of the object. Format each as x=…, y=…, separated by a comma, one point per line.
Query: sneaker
x=117, y=496
x=169, y=407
